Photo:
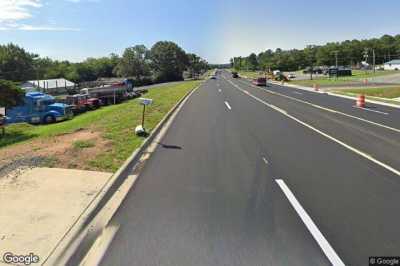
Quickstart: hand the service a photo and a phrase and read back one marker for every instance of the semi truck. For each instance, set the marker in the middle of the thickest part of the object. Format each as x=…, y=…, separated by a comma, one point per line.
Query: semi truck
x=81, y=103
x=110, y=94
x=39, y=108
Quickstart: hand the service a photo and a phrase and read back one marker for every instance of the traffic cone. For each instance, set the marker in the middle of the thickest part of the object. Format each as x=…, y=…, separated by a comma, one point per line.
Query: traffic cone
x=361, y=101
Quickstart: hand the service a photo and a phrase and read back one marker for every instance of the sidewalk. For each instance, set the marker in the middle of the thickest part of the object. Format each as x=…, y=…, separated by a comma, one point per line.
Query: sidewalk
x=40, y=205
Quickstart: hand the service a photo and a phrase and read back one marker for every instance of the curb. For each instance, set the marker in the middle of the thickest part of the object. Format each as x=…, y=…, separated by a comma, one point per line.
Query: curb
x=72, y=239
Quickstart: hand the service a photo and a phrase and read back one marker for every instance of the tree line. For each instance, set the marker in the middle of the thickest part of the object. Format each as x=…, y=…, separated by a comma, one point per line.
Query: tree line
x=346, y=53
x=165, y=61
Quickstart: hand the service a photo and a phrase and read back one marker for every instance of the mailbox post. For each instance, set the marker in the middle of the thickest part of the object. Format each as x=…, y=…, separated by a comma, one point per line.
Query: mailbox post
x=140, y=130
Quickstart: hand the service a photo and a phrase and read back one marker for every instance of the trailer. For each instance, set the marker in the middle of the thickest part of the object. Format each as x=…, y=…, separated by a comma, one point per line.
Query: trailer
x=110, y=94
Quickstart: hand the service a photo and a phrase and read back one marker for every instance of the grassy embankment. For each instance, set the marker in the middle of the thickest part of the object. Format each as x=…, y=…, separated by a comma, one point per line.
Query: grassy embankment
x=115, y=123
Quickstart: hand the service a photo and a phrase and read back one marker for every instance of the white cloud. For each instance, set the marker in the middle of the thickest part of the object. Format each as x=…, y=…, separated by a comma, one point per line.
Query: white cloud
x=13, y=12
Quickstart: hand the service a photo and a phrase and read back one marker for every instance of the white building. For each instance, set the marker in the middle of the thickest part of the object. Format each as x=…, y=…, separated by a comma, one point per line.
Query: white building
x=50, y=86
x=392, y=65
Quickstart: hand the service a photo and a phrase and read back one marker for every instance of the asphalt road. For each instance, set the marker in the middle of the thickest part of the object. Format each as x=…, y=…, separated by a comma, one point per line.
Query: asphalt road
x=246, y=177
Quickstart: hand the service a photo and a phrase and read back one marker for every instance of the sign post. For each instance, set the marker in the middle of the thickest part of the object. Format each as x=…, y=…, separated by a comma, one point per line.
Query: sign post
x=140, y=130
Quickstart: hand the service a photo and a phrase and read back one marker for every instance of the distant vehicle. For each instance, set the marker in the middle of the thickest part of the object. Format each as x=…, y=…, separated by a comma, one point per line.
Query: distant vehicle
x=235, y=75
x=213, y=77
x=110, y=94
x=39, y=108
x=260, y=82
x=277, y=72
x=291, y=75
x=339, y=72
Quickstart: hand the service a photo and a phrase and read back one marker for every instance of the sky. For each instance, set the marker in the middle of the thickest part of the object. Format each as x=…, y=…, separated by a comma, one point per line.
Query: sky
x=217, y=30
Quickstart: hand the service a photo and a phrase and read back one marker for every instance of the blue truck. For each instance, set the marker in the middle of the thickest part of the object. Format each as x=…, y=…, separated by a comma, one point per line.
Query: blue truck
x=39, y=108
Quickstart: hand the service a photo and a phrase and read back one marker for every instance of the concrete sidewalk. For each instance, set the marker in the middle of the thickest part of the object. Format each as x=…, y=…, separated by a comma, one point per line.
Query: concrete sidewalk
x=40, y=205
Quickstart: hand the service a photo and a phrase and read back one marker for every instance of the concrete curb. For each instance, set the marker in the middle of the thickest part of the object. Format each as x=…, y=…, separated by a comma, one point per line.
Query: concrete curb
x=70, y=242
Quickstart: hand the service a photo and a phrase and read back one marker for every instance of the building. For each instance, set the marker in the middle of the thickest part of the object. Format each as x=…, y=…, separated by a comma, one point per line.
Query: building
x=50, y=86
x=392, y=65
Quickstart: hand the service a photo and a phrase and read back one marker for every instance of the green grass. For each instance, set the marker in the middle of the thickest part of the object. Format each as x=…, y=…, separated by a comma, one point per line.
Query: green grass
x=357, y=77
x=83, y=144
x=116, y=123
x=388, y=92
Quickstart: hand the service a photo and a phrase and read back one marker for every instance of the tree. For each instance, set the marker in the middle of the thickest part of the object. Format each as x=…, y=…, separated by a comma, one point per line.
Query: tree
x=168, y=61
x=196, y=65
x=10, y=96
x=134, y=63
x=15, y=63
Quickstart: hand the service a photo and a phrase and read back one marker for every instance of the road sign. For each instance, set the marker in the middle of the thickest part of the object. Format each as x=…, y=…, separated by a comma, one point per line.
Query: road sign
x=145, y=101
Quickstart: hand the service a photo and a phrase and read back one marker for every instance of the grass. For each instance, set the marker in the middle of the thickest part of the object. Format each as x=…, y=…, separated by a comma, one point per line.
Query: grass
x=378, y=94
x=389, y=92
x=116, y=123
x=83, y=144
x=358, y=76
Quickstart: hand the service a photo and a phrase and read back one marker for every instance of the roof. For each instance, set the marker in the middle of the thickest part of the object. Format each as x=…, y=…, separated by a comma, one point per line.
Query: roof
x=393, y=62
x=49, y=83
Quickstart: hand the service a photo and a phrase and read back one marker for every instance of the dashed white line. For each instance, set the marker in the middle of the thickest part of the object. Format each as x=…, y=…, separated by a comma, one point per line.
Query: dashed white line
x=219, y=90
x=371, y=110
x=296, y=92
x=265, y=160
x=228, y=106
x=318, y=236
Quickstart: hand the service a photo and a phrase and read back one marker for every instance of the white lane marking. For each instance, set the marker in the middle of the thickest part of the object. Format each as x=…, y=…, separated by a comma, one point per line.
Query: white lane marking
x=227, y=105
x=296, y=92
x=361, y=153
x=370, y=110
x=265, y=160
x=318, y=236
x=327, y=109
x=219, y=90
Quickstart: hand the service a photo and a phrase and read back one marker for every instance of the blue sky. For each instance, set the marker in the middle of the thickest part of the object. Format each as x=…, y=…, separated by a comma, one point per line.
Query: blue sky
x=216, y=30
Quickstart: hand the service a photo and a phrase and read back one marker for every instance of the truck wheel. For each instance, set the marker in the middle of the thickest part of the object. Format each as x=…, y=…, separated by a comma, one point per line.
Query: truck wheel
x=49, y=119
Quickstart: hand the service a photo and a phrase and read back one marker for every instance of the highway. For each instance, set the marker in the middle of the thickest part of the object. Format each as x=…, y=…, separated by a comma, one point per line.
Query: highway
x=265, y=176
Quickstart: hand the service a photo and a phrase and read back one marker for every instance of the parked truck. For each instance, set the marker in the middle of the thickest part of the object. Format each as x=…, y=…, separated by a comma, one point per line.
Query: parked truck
x=38, y=108
x=81, y=103
x=110, y=94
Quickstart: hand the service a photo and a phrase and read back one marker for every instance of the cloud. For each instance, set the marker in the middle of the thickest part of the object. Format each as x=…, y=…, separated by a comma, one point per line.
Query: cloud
x=13, y=12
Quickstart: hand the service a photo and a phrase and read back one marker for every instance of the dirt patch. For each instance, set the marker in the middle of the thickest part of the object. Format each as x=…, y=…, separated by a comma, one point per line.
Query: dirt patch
x=58, y=151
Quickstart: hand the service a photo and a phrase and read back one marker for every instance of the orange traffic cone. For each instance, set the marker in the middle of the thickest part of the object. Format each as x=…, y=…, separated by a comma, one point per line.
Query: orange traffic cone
x=361, y=101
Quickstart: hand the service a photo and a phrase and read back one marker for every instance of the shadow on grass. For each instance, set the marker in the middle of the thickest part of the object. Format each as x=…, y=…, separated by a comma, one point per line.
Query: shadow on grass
x=12, y=137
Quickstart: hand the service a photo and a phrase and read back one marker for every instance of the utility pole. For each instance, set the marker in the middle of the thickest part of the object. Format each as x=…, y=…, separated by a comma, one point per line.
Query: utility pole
x=373, y=59
x=336, y=58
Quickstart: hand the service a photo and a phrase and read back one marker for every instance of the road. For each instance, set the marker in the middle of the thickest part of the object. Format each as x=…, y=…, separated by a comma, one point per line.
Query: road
x=265, y=176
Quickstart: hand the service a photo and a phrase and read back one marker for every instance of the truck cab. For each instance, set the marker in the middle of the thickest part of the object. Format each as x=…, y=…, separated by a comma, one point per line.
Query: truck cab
x=39, y=108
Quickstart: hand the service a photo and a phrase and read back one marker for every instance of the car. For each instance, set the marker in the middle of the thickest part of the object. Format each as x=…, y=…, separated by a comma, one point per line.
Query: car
x=260, y=82
x=291, y=76
x=213, y=77
x=235, y=75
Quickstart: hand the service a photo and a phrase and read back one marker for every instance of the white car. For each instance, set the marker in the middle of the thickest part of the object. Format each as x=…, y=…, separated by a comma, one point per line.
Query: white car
x=291, y=76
